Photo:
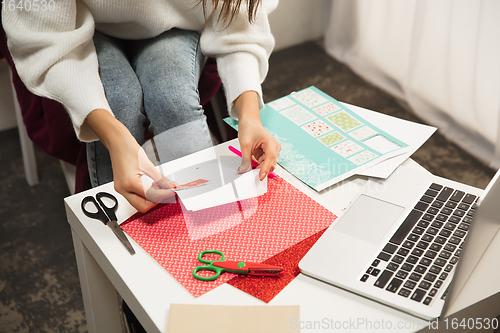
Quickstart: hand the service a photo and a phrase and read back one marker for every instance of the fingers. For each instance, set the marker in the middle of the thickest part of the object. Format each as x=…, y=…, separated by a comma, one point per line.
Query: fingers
x=160, y=191
x=160, y=195
x=133, y=192
x=142, y=196
x=268, y=158
x=130, y=163
x=246, y=158
x=246, y=165
x=152, y=196
x=266, y=152
x=138, y=202
x=165, y=183
x=147, y=167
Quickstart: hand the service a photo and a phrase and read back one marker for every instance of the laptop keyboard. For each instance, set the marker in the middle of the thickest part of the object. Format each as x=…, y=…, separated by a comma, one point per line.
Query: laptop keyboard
x=427, y=246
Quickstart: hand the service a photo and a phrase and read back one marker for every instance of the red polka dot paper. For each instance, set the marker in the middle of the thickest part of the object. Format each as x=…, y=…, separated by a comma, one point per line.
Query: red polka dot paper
x=251, y=230
x=317, y=128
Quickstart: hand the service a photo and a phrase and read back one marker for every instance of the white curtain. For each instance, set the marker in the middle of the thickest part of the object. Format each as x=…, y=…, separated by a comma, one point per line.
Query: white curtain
x=441, y=56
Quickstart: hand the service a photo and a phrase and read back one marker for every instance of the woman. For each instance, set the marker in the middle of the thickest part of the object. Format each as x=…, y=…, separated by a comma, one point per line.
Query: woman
x=116, y=65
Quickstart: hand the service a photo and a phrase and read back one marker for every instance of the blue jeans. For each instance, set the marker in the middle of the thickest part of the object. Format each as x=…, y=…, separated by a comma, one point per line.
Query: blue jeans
x=152, y=84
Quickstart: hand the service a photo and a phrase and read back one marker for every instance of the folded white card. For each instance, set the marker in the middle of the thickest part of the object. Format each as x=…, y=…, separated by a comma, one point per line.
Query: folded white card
x=225, y=184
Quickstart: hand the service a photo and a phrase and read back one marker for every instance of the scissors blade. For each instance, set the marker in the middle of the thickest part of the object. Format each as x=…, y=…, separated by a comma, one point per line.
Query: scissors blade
x=264, y=272
x=121, y=235
x=263, y=269
x=249, y=268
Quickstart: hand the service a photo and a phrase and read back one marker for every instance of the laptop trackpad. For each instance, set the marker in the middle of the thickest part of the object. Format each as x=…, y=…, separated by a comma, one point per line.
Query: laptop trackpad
x=369, y=219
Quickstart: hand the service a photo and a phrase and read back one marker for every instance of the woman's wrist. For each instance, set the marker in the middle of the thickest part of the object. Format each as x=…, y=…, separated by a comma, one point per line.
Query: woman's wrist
x=247, y=107
x=110, y=131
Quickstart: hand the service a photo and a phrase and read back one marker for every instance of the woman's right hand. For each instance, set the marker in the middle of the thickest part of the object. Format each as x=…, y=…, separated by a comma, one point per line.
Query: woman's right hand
x=130, y=163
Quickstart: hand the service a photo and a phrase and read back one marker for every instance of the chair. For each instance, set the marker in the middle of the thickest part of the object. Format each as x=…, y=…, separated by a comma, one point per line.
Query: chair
x=27, y=147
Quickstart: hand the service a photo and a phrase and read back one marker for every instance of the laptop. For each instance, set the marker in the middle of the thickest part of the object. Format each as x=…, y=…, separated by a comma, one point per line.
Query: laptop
x=403, y=240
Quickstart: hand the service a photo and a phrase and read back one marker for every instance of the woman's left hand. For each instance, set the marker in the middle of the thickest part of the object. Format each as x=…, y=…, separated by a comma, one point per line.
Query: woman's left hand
x=254, y=139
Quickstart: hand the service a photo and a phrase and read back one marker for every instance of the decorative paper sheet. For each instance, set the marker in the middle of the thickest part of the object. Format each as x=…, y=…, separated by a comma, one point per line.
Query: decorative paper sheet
x=322, y=141
x=193, y=318
x=250, y=230
x=224, y=185
x=266, y=288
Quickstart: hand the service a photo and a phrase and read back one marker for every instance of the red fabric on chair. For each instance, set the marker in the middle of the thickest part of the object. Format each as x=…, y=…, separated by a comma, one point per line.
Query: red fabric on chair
x=48, y=125
x=50, y=128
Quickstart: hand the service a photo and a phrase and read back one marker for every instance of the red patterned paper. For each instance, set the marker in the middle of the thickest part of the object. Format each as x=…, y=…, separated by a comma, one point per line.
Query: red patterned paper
x=250, y=230
x=266, y=288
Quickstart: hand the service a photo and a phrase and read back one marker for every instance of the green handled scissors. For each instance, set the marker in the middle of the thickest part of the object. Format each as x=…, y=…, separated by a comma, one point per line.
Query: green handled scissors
x=239, y=267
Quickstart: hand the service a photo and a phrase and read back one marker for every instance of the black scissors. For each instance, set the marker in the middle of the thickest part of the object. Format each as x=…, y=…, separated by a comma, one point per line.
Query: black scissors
x=107, y=216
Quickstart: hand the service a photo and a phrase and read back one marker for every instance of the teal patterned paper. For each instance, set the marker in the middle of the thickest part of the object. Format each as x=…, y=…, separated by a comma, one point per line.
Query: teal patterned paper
x=322, y=140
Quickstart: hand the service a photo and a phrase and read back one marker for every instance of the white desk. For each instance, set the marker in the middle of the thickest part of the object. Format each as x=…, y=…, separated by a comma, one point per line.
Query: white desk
x=105, y=267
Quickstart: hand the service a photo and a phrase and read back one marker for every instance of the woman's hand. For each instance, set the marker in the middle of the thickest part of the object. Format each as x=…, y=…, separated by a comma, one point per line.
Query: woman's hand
x=130, y=163
x=254, y=139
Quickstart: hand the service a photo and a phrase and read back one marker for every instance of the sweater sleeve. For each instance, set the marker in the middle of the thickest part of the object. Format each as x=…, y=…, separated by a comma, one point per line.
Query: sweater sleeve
x=242, y=50
x=55, y=57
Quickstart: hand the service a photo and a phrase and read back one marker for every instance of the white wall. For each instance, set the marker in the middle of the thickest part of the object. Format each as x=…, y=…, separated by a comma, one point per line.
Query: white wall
x=297, y=21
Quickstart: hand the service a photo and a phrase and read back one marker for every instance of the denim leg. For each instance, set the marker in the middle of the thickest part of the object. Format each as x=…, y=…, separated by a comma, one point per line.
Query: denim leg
x=124, y=95
x=168, y=68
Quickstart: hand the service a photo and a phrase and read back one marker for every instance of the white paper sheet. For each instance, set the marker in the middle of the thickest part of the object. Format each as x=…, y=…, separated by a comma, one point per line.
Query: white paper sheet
x=411, y=133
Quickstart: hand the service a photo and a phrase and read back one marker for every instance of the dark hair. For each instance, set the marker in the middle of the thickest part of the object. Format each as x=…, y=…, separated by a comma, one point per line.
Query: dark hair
x=231, y=8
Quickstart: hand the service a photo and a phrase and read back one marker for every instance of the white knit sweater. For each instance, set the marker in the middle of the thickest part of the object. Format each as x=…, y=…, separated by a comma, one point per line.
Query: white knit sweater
x=55, y=56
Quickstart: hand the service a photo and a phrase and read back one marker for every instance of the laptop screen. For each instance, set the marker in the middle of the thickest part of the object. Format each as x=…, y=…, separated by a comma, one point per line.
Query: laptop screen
x=485, y=225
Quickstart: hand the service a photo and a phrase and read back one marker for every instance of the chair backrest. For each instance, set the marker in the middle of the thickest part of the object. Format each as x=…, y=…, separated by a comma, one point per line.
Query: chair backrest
x=47, y=123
